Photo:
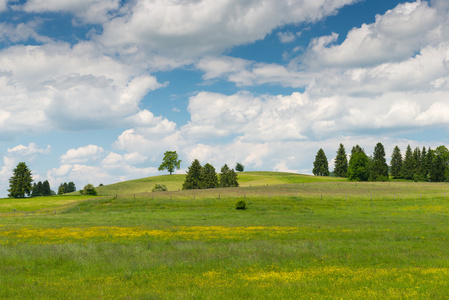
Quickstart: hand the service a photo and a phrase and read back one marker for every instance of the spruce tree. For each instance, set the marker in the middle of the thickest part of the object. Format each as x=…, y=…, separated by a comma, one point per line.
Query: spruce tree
x=379, y=167
x=321, y=165
x=193, y=178
x=341, y=162
x=396, y=163
x=224, y=176
x=20, y=184
x=209, y=177
x=408, y=165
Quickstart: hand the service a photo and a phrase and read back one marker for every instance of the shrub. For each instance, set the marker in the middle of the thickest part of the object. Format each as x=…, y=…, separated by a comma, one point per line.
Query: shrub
x=159, y=188
x=241, y=204
x=88, y=190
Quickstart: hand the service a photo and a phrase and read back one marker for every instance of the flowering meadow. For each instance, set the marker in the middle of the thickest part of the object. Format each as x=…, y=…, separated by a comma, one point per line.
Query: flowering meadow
x=328, y=240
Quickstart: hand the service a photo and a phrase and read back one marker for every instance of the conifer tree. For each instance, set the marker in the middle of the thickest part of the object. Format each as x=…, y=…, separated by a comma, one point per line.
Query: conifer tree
x=209, y=177
x=20, y=184
x=408, y=164
x=379, y=167
x=396, y=163
x=321, y=165
x=193, y=178
x=341, y=162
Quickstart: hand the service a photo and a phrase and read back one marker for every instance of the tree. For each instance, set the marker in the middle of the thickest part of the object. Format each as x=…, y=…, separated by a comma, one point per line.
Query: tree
x=341, y=162
x=20, y=182
x=321, y=165
x=239, y=167
x=396, y=163
x=209, y=177
x=61, y=189
x=170, y=162
x=228, y=178
x=193, y=178
x=46, y=190
x=379, y=167
x=358, y=169
x=70, y=187
x=408, y=165
x=88, y=190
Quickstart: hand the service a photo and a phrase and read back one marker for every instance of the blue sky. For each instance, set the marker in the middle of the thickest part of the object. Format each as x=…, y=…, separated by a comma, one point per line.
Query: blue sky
x=95, y=91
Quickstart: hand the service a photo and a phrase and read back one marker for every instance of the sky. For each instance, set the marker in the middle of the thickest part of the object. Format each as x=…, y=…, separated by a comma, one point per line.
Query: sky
x=95, y=91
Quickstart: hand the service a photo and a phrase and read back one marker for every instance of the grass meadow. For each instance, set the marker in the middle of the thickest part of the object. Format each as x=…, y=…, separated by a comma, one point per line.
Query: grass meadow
x=301, y=237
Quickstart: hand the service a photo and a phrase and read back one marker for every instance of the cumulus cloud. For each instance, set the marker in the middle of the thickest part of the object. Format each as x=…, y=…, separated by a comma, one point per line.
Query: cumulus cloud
x=21, y=33
x=250, y=73
x=82, y=154
x=191, y=28
x=66, y=87
x=30, y=151
x=394, y=36
x=92, y=11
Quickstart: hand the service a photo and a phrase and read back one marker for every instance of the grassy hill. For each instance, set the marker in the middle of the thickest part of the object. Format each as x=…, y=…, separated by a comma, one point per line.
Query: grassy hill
x=302, y=237
x=174, y=182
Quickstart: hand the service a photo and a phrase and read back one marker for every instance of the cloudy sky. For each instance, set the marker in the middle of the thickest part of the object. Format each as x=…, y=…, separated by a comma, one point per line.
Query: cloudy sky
x=97, y=90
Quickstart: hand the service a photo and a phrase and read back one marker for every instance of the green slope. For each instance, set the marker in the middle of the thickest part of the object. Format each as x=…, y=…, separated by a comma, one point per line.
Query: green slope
x=174, y=182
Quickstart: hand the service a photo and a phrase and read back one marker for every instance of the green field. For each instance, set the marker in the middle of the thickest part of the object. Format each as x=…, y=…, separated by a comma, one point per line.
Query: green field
x=301, y=237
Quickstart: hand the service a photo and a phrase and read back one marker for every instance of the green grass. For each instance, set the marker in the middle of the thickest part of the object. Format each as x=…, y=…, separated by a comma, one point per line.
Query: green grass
x=306, y=240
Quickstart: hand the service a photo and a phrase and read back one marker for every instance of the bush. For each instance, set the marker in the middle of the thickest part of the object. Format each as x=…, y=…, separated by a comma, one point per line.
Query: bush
x=241, y=204
x=88, y=190
x=159, y=188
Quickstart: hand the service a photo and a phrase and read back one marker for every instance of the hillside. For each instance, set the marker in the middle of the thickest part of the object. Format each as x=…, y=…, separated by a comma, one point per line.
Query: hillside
x=174, y=182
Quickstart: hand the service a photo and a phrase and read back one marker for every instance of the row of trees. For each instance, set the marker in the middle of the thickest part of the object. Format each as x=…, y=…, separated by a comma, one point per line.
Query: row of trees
x=205, y=177
x=21, y=184
x=419, y=165
x=65, y=188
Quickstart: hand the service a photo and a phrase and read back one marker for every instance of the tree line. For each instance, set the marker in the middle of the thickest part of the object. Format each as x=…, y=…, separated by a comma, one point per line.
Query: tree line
x=21, y=184
x=420, y=164
x=205, y=177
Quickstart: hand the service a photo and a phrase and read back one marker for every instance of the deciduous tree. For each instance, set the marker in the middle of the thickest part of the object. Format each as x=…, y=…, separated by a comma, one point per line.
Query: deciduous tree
x=170, y=162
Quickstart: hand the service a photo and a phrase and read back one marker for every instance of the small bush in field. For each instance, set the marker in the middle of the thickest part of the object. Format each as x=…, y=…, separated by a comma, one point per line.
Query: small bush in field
x=241, y=204
x=159, y=188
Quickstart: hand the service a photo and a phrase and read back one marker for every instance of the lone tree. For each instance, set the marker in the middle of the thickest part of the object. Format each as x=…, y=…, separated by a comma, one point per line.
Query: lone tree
x=20, y=182
x=321, y=165
x=170, y=162
x=239, y=167
x=341, y=162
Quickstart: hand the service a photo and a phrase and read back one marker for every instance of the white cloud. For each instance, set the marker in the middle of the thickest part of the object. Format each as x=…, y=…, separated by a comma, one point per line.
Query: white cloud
x=21, y=33
x=3, y=5
x=92, y=11
x=30, y=151
x=82, y=154
x=395, y=36
x=191, y=28
x=249, y=73
x=286, y=37
x=66, y=87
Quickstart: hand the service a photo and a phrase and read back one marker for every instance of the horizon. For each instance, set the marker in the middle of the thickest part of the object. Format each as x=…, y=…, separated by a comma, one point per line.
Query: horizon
x=96, y=92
